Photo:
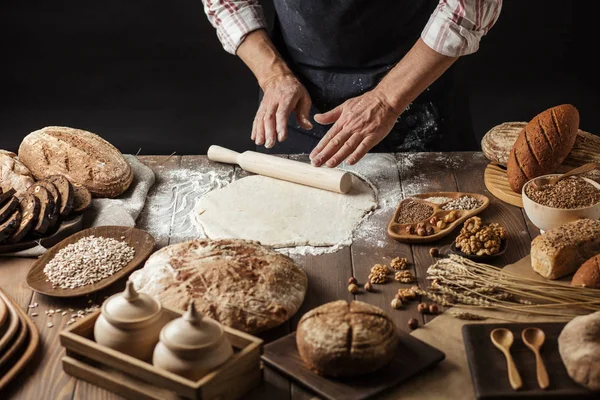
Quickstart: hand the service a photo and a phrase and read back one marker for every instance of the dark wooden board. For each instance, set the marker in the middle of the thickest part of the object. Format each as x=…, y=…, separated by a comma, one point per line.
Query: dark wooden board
x=488, y=365
x=67, y=227
x=140, y=240
x=413, y=357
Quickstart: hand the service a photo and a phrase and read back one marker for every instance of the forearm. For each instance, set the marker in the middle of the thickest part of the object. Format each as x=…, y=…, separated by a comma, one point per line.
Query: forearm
x=418, y=69
x=260, y=55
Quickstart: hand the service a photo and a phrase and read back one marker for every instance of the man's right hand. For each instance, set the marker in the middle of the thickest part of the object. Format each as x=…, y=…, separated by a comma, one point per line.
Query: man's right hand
x=283, y=93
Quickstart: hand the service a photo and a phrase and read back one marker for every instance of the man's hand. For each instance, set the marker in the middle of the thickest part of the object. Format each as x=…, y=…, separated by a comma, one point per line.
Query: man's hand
x=283, y=94
x=358, y=125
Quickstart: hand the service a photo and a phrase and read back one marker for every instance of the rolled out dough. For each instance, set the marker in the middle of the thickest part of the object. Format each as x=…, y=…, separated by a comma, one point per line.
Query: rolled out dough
x=284, y=214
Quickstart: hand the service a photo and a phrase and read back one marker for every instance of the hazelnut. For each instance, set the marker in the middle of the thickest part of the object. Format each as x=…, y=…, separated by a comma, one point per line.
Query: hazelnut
x=429, y=230
x=352, y=280
x=410, y=229
x=420, y=225
x=421, y=232
x=353, y=288
x=422, y=308
x=441, y=224
x=434, y=309
x=369, y=286
x=433, y=220
x=450, y=217
x=434, y=252
x=396, y=304
x=398, y=296
x=413, y=323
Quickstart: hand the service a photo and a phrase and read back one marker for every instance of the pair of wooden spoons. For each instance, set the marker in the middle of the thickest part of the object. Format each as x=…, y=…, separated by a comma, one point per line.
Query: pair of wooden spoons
x=534, y=339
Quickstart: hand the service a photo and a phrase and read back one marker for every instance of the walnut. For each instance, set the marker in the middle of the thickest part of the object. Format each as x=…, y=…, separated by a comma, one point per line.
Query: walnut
x=404, y=277
x=398, y=263
x=477, y=238
x=378, y=274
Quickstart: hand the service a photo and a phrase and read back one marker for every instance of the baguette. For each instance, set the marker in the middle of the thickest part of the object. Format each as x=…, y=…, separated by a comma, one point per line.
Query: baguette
x=562, y=250
x=542, y=145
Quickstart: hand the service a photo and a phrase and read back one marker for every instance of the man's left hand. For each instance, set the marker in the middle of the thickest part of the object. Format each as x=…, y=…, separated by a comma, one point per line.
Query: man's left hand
x=358, y=125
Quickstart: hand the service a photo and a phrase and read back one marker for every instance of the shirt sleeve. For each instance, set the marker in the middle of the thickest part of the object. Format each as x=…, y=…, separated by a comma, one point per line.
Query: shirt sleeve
x=456, y=26
x=233, y=20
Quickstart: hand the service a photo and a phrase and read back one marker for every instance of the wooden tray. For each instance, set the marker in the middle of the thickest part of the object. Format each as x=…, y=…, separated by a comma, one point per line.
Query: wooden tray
x=488, y=365
x=23, y=357
x=15, y=344
x=135, y=379
x=3, y=315
x=66, y=228
x=398, y=231
x=140, y=240
x=413, y=357
x=496, y=181
x=13, y=324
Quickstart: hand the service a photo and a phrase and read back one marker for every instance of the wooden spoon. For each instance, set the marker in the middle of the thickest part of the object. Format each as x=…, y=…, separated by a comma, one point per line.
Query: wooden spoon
x=534, y=339
x=555, y=179
x=503, y=339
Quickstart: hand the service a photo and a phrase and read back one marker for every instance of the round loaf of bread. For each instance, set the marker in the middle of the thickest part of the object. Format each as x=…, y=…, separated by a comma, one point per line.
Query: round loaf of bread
x=13, y=174
x=81, y=156
x=588, y=275
x=579, y=348
x=342, y=339
x=239, y=283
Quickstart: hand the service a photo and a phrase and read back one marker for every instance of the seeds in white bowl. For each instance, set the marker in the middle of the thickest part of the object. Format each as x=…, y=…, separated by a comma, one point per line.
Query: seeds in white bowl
x=569, y=193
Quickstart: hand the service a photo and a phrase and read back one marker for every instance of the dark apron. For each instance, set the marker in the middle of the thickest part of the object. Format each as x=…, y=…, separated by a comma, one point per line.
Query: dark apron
x=340, y=49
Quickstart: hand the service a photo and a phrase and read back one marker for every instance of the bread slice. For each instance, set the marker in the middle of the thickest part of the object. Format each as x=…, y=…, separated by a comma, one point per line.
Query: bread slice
x=542, y=145
x=562, y=250
x=55, y=211
x=46, y=208
x=7, y=195
x=30, y=209
x=82, y=198
x=7, y=209
x=65, y=189
x=10, y=225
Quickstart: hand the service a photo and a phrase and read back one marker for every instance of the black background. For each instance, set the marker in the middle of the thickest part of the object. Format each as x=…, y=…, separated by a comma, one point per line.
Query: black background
x=151, y=74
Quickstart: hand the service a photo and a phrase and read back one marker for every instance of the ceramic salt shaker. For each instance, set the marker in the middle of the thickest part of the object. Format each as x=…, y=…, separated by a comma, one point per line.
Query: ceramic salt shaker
x=192, y=345
x=130, y=322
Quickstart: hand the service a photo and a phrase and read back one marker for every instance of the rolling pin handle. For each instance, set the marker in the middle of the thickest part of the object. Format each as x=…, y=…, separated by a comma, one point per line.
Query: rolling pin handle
x=221, y=154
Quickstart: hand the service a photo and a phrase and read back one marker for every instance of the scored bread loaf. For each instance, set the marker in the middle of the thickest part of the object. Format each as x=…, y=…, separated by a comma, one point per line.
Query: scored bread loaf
x=81, y=156
x=542, y=145
x=562, y=250
x=342, y=339
x=588, y=275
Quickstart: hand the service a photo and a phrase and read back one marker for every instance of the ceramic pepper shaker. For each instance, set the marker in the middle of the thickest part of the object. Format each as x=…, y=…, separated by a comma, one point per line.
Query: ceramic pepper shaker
x=130, y=322
x=192, y=345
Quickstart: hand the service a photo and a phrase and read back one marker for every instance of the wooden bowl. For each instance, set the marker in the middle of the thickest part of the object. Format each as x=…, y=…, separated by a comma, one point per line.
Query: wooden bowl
x=12, y=326
x=141, y=241
x=482, y=258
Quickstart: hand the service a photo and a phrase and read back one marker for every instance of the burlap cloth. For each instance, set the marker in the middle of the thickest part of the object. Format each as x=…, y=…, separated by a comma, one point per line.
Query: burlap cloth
x=122, y=211
x=451, y=378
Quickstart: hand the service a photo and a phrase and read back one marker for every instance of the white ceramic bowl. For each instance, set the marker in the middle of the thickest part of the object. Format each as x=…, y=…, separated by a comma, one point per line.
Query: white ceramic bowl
x=546, y=218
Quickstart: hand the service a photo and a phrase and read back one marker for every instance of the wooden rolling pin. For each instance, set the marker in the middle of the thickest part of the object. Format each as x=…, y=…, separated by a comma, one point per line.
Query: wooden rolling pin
x=331, y=179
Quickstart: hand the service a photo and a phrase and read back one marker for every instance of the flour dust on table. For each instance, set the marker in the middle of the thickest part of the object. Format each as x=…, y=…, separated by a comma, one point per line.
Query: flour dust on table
x=282, y=214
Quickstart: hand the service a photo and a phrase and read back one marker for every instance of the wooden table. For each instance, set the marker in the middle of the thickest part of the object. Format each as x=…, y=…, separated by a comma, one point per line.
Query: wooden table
x=165, y=216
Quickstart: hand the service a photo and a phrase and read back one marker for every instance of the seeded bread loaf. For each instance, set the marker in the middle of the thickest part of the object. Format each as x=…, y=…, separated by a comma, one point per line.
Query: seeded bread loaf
x=542, y=145
x=237, y=282
x=588, y=275
x=81, y=156
x=342, y=339
x=13, y=174
x=562, y=250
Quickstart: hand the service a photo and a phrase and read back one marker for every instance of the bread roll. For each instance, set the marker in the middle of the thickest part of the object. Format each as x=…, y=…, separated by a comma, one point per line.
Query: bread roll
x=81, y=156
x=542, y=145
x=588, y=275
x=342, y=340
x=562, y=250
x=13, y=174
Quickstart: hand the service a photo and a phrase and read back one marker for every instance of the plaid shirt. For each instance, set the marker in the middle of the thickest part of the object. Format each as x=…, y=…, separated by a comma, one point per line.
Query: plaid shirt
x=454, y=29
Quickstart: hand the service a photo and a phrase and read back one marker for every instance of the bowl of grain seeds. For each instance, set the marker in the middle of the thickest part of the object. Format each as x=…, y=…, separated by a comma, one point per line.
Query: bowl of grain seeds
x=549, y=206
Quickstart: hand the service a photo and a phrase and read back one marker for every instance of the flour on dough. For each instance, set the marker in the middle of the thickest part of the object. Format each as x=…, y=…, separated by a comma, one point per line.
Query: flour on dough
x=281, y=214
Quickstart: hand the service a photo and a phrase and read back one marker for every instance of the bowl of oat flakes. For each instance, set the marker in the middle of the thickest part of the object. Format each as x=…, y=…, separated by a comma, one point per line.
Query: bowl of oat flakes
x=549, y=206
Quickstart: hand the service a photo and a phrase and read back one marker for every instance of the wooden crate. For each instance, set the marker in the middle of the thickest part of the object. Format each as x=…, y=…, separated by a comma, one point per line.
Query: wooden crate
x=136, y=379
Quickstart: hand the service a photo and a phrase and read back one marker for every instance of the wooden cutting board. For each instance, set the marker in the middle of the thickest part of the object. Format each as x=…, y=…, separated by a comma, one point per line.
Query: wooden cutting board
x=413, y=357
x=488, y=369
x=496, y=181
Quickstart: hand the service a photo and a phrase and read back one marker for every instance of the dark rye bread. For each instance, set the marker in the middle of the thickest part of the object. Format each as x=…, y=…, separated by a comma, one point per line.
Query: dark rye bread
x=10, y=225
x=65, y=190
x=29, y=208
x=8, y=208
x=54, y=213
x=46, y=208
x=542, y=145
x=342, y=339
x=82, y=198
x=6, y=196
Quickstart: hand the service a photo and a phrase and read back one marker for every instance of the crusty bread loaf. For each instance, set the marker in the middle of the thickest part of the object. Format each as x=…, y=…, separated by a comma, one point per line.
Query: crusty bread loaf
x=542, y=145
x=579, y=348
x=342, y=339
x=588, y=275
x=562, y=250
x=237, y=282
x=13, y=174
x=81, y=156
